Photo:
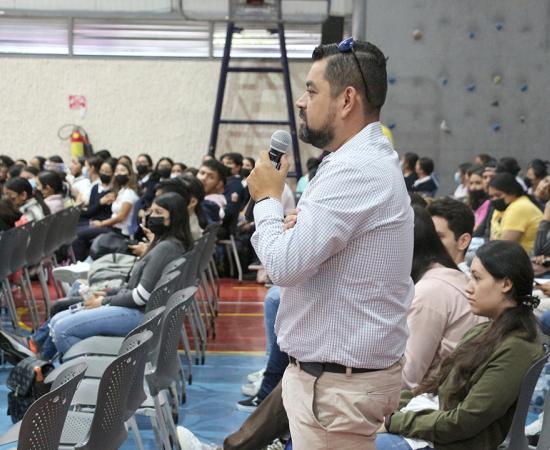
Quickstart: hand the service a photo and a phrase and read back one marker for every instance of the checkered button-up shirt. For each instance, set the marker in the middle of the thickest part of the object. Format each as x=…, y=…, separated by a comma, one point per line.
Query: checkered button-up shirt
x=345, y=266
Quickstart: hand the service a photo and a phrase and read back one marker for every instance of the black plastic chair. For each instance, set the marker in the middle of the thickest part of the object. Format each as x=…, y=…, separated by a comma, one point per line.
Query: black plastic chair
x=516, y=440
x=43, y=422
x=105, y=427
x=7, y=247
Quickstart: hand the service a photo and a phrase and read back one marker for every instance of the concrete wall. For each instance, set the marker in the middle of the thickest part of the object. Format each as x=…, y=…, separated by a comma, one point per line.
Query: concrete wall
x=163, y=107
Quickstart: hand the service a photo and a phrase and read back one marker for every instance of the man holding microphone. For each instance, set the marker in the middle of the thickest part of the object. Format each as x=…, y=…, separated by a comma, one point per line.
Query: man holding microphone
x=344, y=264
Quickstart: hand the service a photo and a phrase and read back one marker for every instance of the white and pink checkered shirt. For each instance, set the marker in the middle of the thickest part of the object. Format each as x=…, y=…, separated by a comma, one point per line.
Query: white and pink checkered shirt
x=345, y=266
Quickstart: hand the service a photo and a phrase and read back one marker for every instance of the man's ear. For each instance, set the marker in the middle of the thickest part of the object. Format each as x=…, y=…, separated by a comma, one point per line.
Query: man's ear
x=349, y=101
x=464, y=242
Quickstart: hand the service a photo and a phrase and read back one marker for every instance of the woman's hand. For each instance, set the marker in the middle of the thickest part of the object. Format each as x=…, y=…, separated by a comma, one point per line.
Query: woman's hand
x=148, y=233
x=107, y=199
x=139, y=249
x=545, y=288
x=95, y=301
x=96, y=224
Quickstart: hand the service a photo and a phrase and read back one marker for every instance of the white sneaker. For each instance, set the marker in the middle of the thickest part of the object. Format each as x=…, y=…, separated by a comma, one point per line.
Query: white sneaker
x=69, y=274
x=251, y=389
x=254, y=376
x=188, y=441
x=535, y=427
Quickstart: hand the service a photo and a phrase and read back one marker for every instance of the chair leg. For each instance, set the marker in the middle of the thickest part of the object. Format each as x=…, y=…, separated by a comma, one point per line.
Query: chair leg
x=187, y=349
x=31, y=301
x=170, y=425
x=45, y=289
x=237, y=259
x=228, y=250
x=156, y=431
x=162, y=423
x=132, y=423
x=10, y=303
x=196, y=338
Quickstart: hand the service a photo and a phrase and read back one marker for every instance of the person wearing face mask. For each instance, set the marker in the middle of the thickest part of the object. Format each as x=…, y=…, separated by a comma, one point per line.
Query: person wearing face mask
x=118, y=311
x=178, y=169
x=79, y=181
x=20, y=192
x=516, y=217
x=461, y=181
x=478, y=199
x=101, y=197
x=30, y=173
x=163, y=168
x=542, y=241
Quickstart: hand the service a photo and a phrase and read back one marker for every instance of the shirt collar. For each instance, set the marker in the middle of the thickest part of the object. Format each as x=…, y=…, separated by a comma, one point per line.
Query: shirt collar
x=422, y=180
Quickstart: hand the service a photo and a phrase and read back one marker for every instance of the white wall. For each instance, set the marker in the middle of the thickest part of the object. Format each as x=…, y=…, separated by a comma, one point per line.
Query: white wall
x=163, y=107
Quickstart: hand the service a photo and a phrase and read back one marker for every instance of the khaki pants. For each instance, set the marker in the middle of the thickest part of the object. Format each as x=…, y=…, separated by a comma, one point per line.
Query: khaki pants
x=337, y=411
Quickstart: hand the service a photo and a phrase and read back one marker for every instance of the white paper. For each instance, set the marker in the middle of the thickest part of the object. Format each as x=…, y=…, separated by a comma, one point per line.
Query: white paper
x=420, y=403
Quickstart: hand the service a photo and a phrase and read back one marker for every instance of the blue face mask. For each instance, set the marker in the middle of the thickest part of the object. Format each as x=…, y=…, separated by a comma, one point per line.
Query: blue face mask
x=85, y=171
x=457, y=178
x=32, y=182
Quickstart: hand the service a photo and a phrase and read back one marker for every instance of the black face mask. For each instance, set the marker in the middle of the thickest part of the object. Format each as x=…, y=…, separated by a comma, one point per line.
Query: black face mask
x=164, y=172
x=142, y=169
x=499, y=204
x=478, y=195
x=245, y=173
x=105, y=179
x=156, y=225
x=122, y=180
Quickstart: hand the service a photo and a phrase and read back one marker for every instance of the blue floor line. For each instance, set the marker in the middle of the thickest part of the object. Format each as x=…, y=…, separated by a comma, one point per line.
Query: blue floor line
x=210, y=410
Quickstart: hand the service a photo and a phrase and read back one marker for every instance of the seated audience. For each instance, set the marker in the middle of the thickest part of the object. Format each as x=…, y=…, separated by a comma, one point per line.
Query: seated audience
x=312, y=164
x=50, y=187
x=178, y=169
x=38, y=162
x=483, y=159
x=163, y=169
x=461, y=181
x=477, y=386
x=516, y=217
x=116, y=312
x=425, y=184
x=9, y=215
x=99, y=204
x=80, y=183
x=213, y=174
x=236, y=195
x=408, y=167
x=201, y=212
x=511, y=166
x=248, y=166
x=454, y=223
x=20, y=192
x=542, y=241
x=144, y=170
x=537, y=170
x=104, y=154
x=478, y=200
x=30, y=173
x=122, y=198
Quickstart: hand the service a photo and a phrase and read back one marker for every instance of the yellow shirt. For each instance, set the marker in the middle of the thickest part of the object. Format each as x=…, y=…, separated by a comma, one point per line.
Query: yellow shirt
x=521, y=215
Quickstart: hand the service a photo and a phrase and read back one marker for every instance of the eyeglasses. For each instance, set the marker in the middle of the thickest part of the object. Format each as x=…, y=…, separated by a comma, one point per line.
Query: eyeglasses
x=347, y=46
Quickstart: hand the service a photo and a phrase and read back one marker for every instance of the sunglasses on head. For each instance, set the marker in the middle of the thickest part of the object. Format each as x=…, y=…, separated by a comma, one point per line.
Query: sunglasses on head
x=347, y=45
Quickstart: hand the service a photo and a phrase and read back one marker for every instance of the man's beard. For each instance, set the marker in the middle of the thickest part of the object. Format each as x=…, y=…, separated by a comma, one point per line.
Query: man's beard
x=321, y=137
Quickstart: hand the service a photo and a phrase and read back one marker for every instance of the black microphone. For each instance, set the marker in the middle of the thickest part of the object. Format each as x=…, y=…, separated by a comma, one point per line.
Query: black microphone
x=280, y=140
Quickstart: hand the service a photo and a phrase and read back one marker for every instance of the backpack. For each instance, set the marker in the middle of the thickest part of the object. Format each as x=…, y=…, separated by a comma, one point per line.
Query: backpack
x=26, y=384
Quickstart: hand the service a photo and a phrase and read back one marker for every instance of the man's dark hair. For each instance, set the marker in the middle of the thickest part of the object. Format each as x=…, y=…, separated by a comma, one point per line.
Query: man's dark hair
x=5, y=160
x=174, y=185
x=410, y=159
x=15, y=170
x=342, y=71
x=508, y=165
x=31, y=169
x=507, y=183
x=464, y=168
x=95, y=162
x=426, y=164
x=486, y=159
x=458, y=215
x=237, y=158
x=218, y=167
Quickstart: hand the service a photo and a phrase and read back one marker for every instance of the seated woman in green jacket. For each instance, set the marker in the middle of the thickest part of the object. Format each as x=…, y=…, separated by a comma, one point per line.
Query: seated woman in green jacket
x=469, y=404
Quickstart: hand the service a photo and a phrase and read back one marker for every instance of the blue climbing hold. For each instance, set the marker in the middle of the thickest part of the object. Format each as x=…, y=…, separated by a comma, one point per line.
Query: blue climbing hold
x=524, y=87
x=392, y=79
x=499, y=26
x=471, y=87
x=472, y=34
x=495, y=126
x=391, y=125
x=444, y=81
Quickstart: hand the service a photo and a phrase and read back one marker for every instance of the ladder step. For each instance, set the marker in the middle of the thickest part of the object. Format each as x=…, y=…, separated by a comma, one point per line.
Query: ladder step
x=254, y=122
x=256, y=69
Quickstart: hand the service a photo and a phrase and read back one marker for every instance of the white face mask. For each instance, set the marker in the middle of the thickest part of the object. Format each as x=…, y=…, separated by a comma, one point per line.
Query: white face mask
x=174, y=175
x=32, y=182
x=457, y=178
x=85, y=172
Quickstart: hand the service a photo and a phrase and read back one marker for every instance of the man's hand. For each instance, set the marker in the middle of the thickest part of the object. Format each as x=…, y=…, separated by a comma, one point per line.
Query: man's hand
x=290, y=219
x=265, y=180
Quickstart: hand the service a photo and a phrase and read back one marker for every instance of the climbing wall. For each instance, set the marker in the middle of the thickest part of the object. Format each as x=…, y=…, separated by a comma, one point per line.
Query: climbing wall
x=466, y=77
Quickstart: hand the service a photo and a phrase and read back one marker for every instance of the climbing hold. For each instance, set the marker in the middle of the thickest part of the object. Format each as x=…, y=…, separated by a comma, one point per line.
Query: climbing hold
x=495, y=103
x=471, y=87
x=495, y=126
x=497, y=79
x=443, y=81
x=444, y=127
x=522, y=119
x=472, y=34
x=392, y=79
x=391, y=125
x=524, y=87
x=499, y=26
x=417, y=34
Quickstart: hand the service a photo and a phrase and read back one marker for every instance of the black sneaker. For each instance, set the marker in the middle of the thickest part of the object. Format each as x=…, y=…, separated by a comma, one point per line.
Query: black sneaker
x=249, y=405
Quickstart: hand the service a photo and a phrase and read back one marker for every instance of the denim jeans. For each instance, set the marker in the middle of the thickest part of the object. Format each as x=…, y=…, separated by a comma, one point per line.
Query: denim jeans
x=388, y=441
x=276, y=365
x=271, y=306
x=69, y=327
x=545, y=322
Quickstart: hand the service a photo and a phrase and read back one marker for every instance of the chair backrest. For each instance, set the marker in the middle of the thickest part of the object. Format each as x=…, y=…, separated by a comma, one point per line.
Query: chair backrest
x=164, y=288
x=516, y=439
x=22, y=237
x=55, y=231
x=39, y=234
x=42, y=424
x=166, y=367
x=544, y=439
x=202, y=245
x=107, y=430
x=69, y=230
x=7, y=245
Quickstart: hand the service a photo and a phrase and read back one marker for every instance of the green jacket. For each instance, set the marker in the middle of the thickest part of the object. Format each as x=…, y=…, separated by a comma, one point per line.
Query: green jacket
x=482, y=419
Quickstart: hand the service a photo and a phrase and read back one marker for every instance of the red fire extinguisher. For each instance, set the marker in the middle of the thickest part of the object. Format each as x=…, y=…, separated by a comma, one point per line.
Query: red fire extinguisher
x=77, y=144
